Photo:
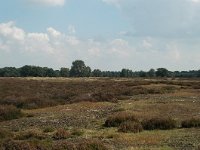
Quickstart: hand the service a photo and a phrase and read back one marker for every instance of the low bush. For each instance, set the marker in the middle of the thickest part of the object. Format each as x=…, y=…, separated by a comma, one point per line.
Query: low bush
x=190, y=123
x=159, y=123
x=117, y=119
x=61, y=134
x=9, y=112
x=131, y=126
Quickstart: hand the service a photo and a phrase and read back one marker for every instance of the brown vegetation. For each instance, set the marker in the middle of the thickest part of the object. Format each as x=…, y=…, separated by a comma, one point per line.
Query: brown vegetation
x=62, y=113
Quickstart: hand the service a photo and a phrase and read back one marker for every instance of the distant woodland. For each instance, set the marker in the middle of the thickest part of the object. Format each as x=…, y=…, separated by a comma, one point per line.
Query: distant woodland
x=79, y=69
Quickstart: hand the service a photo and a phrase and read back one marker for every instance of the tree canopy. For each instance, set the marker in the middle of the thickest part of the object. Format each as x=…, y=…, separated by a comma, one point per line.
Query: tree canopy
x=79, y=69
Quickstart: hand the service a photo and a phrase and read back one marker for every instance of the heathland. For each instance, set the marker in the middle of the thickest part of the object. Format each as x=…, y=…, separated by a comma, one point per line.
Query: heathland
x=99, y=113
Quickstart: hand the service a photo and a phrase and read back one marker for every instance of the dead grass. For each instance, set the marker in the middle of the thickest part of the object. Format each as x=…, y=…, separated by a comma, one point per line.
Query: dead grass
x=81, y=106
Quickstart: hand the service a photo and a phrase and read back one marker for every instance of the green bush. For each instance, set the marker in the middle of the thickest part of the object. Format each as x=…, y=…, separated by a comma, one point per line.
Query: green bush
x=9, y=112
x=117, y=119
x=159, y=123
x=190, y=123
x=131, y=126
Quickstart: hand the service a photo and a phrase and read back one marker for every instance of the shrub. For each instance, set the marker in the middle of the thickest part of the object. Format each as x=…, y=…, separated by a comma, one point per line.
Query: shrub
x=61, y=134
x=130, y=126
x=190, y=123
x=9, y=112
x=159, y=123
x=117, y=119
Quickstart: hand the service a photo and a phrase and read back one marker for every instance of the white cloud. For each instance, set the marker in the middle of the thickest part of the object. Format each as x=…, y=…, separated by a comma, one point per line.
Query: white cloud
x=72, y=40
x=49, y=2
x=161, y=18
x=56, y=49
x=8, y=30
x=54, y=33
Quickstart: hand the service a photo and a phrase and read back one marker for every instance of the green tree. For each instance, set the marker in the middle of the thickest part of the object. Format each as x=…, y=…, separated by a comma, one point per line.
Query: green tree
x=9, y=72
x=96, y=73
x=151, y=73
x=162, y=72
x=126, y=73
x=64, y=72
x=79, y=69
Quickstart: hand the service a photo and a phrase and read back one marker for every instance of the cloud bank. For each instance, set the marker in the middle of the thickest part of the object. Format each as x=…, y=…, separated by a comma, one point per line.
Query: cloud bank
x=56, y=49
x=161, y=18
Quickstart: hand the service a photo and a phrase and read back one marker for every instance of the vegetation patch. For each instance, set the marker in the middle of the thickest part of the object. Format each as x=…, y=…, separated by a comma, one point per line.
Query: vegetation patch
x=9, y=112
x=61, y=134
x=48, y=129
x=80, y=145
x=117, y=119
x=159, y=123
x=5, y=133
x=30, y=134
x=190, y=123
x=130, y=126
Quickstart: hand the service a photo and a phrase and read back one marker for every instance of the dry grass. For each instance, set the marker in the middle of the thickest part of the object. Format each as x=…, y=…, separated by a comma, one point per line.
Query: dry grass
x=68, y=104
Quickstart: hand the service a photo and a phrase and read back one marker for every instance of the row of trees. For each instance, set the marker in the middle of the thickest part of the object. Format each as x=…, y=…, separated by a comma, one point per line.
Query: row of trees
x=79, y=69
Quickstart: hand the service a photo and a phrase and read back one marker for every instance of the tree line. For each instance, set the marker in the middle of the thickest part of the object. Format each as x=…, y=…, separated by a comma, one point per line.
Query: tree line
x=79, y=69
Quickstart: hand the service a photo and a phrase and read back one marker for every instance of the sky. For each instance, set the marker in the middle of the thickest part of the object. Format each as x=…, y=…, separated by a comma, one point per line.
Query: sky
x=105, y=34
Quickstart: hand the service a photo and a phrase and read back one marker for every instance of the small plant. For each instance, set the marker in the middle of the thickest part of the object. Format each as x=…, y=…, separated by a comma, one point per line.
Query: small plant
x=159, y=123
x=131, y=126
x=190, y=123
x=61, y=134
x=117, y=119
x=9, y=112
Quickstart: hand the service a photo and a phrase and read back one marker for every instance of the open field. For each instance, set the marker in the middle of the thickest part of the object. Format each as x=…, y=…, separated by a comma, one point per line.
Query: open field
x=71, y=113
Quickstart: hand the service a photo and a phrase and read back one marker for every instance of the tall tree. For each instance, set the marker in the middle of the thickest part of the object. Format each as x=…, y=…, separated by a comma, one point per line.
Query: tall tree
x=79, y=69
x=64, y=72
x=162, y=72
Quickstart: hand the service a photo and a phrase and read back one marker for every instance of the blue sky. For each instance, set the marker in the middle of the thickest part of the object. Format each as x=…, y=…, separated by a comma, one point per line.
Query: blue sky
x=106, y=34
